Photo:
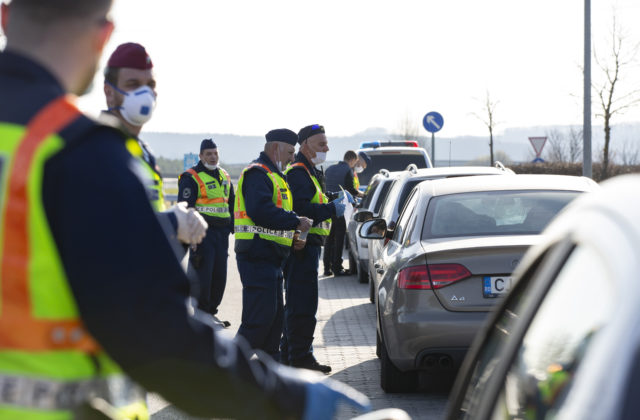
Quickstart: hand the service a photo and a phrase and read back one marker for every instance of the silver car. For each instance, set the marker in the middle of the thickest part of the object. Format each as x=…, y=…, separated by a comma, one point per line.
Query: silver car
x=565, y=344
x=449, y=260
x=399, y=192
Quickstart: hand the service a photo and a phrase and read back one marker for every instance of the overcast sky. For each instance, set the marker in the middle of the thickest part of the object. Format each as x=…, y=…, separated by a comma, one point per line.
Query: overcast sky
x=245, y=67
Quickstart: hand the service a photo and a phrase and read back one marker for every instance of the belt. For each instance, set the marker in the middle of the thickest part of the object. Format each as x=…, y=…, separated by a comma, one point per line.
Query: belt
x=47, y=394
x=288, y=234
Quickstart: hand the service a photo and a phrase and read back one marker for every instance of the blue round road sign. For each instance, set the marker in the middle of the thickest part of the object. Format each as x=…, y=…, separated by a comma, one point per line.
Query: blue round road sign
x=433, y=122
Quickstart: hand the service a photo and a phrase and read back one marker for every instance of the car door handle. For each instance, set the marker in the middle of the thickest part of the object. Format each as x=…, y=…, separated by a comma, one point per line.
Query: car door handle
x=380, y=271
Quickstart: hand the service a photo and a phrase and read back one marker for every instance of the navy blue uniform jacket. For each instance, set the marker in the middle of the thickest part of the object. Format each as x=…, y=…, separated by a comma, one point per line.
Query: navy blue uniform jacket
x=129, y=287
x=188, y=190
x=303, y=191
x=257, y=190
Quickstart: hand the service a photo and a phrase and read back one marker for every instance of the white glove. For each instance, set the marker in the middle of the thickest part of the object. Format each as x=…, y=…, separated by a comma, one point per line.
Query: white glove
x=192, y=227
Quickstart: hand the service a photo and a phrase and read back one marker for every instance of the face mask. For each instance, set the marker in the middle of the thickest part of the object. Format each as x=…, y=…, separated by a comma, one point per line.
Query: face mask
x=138, y=105
x=210, y=167
x=278, y=163
x=358, y=169
x=320, y=158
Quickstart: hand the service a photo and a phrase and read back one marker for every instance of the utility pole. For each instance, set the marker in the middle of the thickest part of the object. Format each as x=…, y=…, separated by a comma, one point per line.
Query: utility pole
x=586, y=125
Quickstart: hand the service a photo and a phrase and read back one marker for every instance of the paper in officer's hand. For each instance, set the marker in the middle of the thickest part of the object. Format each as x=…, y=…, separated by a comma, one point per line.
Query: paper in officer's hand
x=348, y=209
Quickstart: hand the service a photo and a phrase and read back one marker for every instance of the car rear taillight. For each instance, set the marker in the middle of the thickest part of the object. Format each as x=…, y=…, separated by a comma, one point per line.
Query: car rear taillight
x=411, y=143
x=440, y=274
x=414, y=278
x=444, y=274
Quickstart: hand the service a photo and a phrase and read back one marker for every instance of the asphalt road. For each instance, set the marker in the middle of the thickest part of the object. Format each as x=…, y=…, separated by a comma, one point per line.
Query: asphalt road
x=345, y=339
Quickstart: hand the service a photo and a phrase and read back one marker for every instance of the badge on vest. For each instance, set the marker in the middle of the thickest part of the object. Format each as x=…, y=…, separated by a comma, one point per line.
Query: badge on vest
x=211, y=185
x=283, y=191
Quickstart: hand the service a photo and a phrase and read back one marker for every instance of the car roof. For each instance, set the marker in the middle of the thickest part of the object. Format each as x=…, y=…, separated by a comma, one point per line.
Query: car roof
x=502, y=183
x=386, y=149
x=456, y=171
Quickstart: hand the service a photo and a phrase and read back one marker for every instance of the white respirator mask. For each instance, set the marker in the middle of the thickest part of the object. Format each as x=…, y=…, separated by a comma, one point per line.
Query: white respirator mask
x=210, y=167
x=138, y=105
x=320, y=158
x=358, y=169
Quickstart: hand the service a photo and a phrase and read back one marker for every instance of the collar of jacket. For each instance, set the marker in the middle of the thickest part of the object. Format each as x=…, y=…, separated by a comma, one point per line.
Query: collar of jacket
x=265, y=160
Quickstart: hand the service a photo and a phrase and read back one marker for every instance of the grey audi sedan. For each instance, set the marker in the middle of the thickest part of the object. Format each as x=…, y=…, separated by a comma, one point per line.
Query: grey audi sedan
x=449, y=260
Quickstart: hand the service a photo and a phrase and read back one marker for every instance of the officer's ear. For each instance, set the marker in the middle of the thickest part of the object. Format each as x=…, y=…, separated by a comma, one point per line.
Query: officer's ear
x=4, y=17
x=103, y=34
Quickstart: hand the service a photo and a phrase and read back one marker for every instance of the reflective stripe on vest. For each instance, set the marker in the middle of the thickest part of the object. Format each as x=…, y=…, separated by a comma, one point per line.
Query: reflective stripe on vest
x=212, y=201
x=245, y=228
x=154, y=180
x=42, y=339
x=19, y=327
x=323, y=228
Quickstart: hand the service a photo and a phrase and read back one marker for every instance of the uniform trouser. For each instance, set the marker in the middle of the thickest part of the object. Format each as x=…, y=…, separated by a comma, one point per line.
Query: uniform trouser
x=301, y=285
x=210, y=263
x=262, y=304
x=332, y=258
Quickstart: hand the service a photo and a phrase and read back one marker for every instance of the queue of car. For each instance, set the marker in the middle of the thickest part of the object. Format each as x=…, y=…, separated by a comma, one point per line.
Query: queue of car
x=438, y=247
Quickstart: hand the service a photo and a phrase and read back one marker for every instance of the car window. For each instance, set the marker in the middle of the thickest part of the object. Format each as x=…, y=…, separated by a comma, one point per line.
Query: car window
x=408, y=186
x=384, y=190
x=368, y=196
x=386, y=211
x=401, y=226
x=493, y=213
x=391, y=161
x=576, y=306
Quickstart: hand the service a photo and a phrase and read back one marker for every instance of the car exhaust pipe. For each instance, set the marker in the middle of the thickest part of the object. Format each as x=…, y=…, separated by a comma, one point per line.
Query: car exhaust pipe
x=445, y=362
x=429, y=362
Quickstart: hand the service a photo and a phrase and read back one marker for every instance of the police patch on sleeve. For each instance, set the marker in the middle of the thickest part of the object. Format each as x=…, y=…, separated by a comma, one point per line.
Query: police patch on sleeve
x=186, y=193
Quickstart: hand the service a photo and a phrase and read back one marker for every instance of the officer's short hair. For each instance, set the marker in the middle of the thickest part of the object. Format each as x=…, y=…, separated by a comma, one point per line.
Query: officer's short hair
x=111, y=75
x=350, y=155
x=50, y=11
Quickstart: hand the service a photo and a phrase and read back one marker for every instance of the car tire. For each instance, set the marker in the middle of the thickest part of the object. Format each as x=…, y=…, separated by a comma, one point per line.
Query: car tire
x=353, y=263
x=363, y=275
x=393, y=380
x=378, y=345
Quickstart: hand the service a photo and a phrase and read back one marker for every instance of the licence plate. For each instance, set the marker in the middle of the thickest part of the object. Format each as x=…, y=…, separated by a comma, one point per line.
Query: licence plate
x=496, y=286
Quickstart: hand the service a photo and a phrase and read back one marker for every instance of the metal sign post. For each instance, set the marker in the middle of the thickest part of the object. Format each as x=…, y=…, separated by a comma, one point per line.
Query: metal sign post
x=433, y=123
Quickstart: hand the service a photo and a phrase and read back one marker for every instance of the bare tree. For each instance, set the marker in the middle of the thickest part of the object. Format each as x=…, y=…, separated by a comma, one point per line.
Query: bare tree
x=630, y=153
x=556, y=146
x=489, y=121
x=613, y=67
x=576, y=143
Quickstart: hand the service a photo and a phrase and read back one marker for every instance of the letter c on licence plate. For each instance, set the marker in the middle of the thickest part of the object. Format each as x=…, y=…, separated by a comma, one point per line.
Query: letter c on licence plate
x=496, y=286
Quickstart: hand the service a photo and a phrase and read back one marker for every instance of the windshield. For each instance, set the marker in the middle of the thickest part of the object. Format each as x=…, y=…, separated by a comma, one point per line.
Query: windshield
x=391, y=161
x=489, y=213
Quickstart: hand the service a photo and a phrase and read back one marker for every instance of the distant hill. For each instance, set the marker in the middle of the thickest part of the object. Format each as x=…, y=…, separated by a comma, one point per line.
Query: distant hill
x=513, y=142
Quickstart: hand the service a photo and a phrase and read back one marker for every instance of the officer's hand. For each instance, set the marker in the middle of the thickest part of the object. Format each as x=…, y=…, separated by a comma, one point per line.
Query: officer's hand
x=323, y=398
x=298, y=244
x=322, y=394
x=349, y=196
x=340, y=207
x=305, y=224
x=192, y=227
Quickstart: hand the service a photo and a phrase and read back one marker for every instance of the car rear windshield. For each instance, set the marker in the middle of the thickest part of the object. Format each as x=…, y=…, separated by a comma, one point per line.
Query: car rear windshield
x=491, y=213
x=391, y=161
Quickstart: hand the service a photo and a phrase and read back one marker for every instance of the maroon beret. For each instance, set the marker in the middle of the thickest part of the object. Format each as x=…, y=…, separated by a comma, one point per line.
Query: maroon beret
x=130, y=55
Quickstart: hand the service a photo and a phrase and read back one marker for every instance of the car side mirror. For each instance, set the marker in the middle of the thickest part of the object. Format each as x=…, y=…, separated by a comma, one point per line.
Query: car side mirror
x=363, y=216
x=373, y=229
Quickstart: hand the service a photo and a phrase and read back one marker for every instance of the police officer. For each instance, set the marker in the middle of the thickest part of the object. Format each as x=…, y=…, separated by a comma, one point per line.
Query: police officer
x=82, y=247
x=130, y=93
x=340, y=175
x=301, y=269
x=208, y=188
x=361, y=164
x=264, y=234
